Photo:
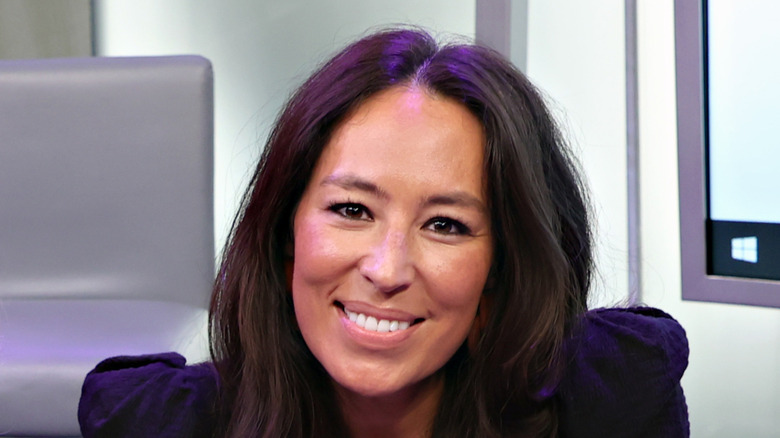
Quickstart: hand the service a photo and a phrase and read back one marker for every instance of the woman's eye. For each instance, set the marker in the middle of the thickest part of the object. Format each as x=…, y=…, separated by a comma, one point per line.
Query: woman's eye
x=445, y=225
x=351, y=211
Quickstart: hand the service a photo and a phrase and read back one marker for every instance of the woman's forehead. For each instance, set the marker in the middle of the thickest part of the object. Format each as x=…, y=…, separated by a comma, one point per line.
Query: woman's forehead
x=408, y=131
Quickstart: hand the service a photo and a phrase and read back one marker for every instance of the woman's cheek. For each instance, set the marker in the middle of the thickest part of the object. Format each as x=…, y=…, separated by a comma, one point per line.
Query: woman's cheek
x=321, y=251
x=460, y=277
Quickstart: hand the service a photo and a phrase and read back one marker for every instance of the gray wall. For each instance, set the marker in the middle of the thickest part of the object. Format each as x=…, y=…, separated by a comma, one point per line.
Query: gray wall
x=45, y=28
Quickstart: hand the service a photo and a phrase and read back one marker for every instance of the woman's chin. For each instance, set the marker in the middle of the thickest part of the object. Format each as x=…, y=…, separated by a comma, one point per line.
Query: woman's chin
x=369, y=388
x=374, y=387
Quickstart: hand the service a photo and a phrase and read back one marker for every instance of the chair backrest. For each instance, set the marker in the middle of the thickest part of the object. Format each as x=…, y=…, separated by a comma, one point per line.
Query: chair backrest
x=106, y=224
x=106, y=179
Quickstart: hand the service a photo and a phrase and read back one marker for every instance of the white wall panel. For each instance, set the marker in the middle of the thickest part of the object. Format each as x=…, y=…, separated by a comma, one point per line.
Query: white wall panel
x=733, y=381
x=576, y=55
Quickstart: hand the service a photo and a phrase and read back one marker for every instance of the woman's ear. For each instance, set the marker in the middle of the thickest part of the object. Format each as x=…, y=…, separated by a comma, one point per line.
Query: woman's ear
x=480, y=320
x=289, y=263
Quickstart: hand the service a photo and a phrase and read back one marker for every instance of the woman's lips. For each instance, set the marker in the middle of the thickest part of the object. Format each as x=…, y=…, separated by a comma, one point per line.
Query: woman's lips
x=376, y=327
x=373, y=324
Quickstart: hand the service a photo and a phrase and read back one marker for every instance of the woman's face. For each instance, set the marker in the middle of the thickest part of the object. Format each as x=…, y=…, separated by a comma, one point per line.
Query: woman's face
x=393, y=242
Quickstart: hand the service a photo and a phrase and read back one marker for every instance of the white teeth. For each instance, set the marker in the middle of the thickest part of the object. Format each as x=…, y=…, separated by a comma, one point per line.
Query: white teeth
x=374, y=325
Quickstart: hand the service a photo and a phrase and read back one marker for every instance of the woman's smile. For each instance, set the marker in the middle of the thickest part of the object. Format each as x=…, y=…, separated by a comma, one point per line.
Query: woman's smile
x=392, y=242
x=378, y=320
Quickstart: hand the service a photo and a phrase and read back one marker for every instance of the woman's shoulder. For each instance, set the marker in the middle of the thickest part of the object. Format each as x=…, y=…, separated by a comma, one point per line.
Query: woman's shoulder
x=624, y=376
x=152, y=395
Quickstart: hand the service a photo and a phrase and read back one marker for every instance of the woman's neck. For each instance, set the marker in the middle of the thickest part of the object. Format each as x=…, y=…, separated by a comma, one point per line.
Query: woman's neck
x=409, y=413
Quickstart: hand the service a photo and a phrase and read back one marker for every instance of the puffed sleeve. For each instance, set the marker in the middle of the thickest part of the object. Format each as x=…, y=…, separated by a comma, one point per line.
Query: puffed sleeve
x=148, y=396
x=624, y=377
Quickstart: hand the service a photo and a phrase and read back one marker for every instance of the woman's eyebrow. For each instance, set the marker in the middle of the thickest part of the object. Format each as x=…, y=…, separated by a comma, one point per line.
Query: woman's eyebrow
x=456, y=198
x=354, y=182
x=459, y=198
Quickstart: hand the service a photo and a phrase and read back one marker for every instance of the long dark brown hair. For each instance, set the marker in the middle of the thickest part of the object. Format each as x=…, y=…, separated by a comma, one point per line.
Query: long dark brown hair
x=501, y=385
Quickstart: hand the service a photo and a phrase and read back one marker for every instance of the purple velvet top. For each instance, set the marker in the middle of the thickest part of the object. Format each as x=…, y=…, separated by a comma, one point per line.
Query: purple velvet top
x=624, y=381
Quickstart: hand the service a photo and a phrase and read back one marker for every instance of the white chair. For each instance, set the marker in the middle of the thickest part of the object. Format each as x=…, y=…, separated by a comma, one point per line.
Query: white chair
x=106, y=224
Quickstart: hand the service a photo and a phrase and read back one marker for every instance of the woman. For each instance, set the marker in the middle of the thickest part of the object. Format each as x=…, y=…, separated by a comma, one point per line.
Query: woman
x=412, y=258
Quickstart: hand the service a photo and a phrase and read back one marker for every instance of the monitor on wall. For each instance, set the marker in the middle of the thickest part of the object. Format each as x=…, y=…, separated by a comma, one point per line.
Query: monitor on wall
x=728, y=131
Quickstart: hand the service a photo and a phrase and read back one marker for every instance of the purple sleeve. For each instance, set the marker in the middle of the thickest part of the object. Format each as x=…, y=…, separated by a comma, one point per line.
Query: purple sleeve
x=148, y=396
x=624, y=379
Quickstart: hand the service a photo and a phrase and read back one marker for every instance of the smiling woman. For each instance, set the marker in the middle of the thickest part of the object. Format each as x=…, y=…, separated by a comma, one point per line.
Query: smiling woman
x=412, y=259
x=392, y=232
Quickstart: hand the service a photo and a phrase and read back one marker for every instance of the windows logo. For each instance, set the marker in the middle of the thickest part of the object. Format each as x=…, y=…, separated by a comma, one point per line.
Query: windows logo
x=745, y=249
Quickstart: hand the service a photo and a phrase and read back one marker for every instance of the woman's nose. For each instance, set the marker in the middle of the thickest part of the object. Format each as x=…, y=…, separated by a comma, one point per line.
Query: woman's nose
x=388, y=265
